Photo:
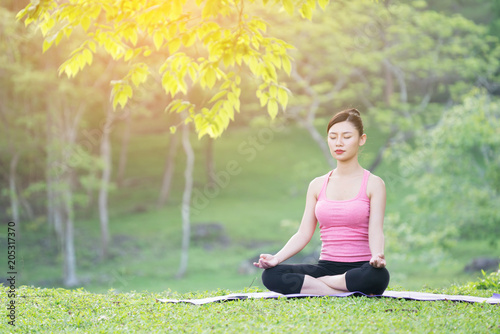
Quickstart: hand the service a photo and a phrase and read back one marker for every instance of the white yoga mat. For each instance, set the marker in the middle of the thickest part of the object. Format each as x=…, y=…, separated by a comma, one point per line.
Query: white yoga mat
x=410, y=295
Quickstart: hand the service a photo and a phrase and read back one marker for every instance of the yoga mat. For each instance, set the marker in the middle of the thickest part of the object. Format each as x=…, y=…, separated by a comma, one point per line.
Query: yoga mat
x=409, y=295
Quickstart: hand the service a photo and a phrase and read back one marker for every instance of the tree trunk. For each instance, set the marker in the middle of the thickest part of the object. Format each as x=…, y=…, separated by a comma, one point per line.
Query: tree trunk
x=389, y=84
x=14, y=201
x=186, y=201
x=320, y=140
x=169, y=170
x=105, y=179
x=70, y=279
x=122, y=164
x=70, y=126
x=54, y=215
x=308, y=121
x=378, y=159
x=209, y=161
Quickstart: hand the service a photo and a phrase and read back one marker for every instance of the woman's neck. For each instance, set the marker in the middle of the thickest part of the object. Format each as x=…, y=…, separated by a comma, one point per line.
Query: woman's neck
x=348, y=167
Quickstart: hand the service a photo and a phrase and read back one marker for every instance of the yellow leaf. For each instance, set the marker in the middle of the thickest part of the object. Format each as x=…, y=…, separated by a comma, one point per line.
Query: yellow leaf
x=132, y=36
x=231, y=97
x=288, y=5
x=85, y=22
x=123, y=99
x=92, y=46
x=157, y=40
x=174, y=45
x=272, y=108
x=254, y=66
x=127, y=90
x=283, y=97
x=58, y=38
x=129, y=54
x=173, y=129
x=306, y=11
x=192, y=73
x=88, y=57
x=139, y=75
x=172, y=30
x=188, y=39
x=273, y=91
x=264, y=98
x=218, y=96
x=227, y=59
x=210, y=77
x=323, y=3
x=46, y=45
x=287, y=65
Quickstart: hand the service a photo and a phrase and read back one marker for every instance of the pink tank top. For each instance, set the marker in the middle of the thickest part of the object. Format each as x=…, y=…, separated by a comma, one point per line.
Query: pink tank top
x=344, y=225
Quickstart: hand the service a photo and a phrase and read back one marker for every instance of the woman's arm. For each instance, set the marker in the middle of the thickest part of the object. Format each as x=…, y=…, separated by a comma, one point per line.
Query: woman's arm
x=300, y=239
x=377, y=194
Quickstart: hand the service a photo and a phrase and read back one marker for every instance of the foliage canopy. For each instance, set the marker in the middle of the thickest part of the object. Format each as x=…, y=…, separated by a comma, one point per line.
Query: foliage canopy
x=205, y=42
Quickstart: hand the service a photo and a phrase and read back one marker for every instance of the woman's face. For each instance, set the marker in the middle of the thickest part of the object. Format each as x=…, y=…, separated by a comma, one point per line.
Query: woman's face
x=344, y=141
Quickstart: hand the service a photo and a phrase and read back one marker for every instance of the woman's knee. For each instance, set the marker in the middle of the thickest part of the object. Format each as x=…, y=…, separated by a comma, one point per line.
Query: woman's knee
x=281, y=281
x=269, y=276
x=368, y=280
x=381, y=278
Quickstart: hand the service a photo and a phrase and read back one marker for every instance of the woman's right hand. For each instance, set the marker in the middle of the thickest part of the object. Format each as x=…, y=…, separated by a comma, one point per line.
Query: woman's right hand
x=267, y=261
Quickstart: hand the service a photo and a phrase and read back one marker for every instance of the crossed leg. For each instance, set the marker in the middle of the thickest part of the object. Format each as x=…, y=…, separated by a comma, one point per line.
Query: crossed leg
x=324, y=285
x=326, y=278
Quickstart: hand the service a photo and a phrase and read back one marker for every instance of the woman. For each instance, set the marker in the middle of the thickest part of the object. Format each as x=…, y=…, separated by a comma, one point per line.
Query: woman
x=349, y=204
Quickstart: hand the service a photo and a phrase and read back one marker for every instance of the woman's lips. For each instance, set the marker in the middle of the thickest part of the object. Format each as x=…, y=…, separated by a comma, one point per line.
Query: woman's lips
x=339, y=151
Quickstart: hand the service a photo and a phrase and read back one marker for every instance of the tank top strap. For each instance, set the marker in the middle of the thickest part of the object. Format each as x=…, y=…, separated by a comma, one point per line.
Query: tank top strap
x=364, y=184
x=323, y=189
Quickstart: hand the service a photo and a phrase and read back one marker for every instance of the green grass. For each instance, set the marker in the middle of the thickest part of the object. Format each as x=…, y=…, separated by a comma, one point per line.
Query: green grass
x=59, y=310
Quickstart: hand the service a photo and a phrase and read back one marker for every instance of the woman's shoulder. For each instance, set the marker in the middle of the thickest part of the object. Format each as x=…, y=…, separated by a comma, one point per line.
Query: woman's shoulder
x=375, y=184
x=316, y=184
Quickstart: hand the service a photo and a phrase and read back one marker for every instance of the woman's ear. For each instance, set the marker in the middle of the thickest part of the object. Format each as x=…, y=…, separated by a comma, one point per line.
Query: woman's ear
x=362, y=139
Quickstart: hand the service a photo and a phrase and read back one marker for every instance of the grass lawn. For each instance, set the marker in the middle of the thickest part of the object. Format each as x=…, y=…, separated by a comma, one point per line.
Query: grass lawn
x=59, y=311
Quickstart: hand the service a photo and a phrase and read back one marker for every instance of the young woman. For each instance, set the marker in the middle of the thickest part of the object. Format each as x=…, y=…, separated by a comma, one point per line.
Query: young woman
x=349, y=204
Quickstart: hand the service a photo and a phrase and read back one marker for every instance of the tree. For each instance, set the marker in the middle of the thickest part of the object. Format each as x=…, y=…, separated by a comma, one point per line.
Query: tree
x=186, y=201
x=50, y=171
x=397, y=62
x=453, y=171
x=206, y=42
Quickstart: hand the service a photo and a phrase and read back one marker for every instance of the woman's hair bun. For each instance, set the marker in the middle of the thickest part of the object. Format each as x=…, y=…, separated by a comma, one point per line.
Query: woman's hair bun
x=354, y=111
x=351, y=115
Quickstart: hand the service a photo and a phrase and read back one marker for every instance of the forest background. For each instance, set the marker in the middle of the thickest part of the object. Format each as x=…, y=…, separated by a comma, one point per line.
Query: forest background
x=97, y=186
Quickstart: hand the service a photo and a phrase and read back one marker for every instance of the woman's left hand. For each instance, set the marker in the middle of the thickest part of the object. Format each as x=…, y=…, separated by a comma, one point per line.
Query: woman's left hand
x=378, y=261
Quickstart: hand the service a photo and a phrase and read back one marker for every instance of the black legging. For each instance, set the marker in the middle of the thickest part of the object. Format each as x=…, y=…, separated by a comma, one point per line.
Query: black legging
x=360, y=276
